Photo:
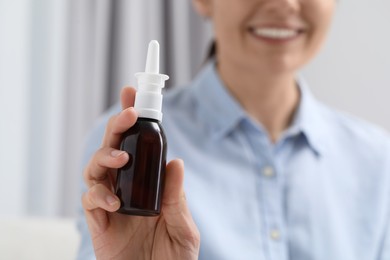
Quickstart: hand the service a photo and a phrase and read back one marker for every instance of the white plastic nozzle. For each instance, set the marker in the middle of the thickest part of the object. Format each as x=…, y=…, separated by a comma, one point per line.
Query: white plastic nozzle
x=153, y=58
x=148, y=99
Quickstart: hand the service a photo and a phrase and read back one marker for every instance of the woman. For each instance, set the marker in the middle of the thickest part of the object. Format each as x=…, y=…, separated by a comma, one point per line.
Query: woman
x=270, y=172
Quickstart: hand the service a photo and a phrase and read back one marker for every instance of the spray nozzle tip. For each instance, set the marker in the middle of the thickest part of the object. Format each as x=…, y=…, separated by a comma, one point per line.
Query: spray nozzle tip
x=152, y=59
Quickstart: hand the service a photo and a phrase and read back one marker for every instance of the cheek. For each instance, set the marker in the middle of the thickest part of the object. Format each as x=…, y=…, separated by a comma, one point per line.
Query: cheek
x=228, y=29
x=230, y=16
x=319, y=16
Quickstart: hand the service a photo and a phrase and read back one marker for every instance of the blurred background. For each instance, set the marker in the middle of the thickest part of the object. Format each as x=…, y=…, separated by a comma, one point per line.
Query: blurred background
x=63, y=62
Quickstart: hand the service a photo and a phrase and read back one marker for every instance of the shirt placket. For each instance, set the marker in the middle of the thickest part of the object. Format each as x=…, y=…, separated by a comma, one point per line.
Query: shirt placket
x=270, y=197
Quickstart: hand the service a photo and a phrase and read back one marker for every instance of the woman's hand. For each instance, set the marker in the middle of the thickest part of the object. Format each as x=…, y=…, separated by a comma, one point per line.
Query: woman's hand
x=172, y=235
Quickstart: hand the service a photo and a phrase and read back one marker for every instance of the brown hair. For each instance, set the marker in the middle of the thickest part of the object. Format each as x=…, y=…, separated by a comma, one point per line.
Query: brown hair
x=212, y=51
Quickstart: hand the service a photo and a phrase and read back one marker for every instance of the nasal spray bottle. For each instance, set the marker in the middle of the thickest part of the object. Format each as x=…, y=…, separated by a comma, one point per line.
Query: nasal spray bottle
x=140, y=182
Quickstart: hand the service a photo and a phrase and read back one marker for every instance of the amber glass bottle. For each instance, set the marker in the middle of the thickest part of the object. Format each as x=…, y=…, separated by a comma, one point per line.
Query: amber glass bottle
x=141, y=181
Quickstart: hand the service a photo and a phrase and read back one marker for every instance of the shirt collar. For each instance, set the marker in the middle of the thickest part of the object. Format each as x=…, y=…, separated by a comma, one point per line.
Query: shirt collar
x=216, y=105
x=310, y=118
x=224, y=114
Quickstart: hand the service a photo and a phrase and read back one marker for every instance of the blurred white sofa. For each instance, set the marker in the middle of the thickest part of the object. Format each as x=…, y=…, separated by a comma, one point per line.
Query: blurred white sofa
x=38, y=239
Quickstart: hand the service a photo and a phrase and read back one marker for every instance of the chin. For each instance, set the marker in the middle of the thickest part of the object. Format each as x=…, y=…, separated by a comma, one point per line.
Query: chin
x=281, y=66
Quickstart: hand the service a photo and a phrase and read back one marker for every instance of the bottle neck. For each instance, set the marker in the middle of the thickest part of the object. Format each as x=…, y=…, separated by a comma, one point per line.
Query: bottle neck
x=148, y=104
x=148, y=119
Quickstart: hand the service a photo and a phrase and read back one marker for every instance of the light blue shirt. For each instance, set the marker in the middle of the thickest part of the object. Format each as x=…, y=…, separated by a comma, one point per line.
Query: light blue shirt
x=322, y=192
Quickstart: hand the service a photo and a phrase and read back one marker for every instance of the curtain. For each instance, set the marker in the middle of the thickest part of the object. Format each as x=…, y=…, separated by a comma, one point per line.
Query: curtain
x=14, y=100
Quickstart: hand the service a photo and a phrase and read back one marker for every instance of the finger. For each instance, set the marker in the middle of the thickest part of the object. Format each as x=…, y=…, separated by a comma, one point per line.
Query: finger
x=127, y=97
x=97, y=202
x=179, y=221
x=117, y=125
x=98, y=196
x=104, y=159
x=173, y=191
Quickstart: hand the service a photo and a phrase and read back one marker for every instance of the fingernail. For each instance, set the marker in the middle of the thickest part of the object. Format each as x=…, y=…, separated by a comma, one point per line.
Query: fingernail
x=117, y=153
x=133, y=110
x=128, y=109
x=111, y=200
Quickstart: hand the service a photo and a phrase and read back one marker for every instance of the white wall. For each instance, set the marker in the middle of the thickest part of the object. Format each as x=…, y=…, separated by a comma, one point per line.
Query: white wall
x=352, y=72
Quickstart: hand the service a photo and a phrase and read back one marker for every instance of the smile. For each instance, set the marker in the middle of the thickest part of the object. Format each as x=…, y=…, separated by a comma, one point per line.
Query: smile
x=276, y=34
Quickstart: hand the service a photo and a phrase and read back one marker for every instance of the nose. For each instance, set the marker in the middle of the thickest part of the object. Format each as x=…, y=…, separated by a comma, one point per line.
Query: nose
x=281, y=7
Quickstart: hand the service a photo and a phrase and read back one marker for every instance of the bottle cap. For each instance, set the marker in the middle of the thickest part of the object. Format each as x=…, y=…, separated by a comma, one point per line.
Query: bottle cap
x=148, y=99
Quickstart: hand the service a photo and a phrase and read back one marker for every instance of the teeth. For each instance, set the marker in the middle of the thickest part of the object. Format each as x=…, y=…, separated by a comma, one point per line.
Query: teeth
x=275, y=33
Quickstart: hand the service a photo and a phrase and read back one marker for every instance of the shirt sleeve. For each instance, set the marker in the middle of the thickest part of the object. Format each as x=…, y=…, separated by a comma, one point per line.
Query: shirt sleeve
x=385, y=252
x=385, y=255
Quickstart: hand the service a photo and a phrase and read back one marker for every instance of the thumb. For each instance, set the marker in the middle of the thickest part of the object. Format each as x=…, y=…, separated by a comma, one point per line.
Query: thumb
x=180, y=224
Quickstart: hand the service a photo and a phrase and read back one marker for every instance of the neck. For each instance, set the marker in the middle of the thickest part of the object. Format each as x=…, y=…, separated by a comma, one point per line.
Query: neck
x=270, y=99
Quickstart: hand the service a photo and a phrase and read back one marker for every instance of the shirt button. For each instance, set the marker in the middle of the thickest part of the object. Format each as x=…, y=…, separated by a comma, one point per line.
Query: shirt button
x=275, y=234
x=268, y=171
